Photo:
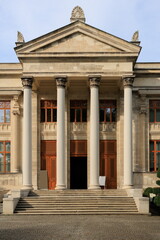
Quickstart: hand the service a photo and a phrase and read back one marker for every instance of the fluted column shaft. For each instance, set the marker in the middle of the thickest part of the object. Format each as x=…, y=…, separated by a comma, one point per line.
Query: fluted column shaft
x=128, y=172
x=60, y=165
x=94, y=132
x=27, y=132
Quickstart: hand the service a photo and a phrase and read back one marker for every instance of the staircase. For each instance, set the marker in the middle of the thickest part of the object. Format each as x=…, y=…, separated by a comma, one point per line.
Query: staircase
x=70, y=202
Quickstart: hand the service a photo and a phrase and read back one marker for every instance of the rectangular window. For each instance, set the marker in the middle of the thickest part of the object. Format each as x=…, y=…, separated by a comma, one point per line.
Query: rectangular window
x=5, y=148
x=5, y=111
x=48, y=111
x=78, y=111
x=108, y=110
x=154, y=111
x=154, y=155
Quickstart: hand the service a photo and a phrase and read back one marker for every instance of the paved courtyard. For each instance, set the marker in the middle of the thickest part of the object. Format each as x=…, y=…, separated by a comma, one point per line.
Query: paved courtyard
x=79, y=227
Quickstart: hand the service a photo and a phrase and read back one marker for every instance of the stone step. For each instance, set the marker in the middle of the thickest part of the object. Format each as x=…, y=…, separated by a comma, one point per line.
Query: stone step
x=70, y=212
x=80, y=192
x=77, y=202
x=79, y=213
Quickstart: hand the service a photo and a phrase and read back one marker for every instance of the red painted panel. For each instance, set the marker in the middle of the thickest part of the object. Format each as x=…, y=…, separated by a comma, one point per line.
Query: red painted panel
x=48, y=161
x=108, y=164
x=78, y=148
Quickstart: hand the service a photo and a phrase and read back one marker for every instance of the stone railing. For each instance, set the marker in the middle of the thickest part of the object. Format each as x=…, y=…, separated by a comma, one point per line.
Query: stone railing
x=5, y=127
x=79, y=127
x=48, y=131
x=107, y=127
x=154, y=127
x=45, y=127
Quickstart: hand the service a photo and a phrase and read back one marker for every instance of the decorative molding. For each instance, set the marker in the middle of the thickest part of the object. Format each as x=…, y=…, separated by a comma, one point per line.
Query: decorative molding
x=16, y=106
x=27, y=81
x=94, y=81
x=61, y=81
x=77, y=14
x=128, y=80
x=143, y=108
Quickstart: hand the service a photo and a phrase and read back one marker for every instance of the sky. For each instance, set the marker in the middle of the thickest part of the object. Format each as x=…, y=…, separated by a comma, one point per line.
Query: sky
x=118, y=17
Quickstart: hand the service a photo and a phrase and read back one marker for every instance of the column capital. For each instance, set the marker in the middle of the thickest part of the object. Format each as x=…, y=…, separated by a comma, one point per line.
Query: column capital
x=27, y=81
x=94, y=81
x=61, y=81
x=128, y=80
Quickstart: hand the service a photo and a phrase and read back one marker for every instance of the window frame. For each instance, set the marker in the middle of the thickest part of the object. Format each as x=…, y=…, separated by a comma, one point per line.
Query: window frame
x=154, y=108
x=45, y=107
x=154, y=151
x=6, y=152
x=4, y=110
x=105, y=104
x=78, y=104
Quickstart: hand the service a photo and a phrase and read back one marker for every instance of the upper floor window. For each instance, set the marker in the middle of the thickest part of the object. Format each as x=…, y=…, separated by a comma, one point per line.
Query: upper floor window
x=4, y=111
x=4, y=156
x=108, y=110
x=154, y=155
x=78, y=111
x=48, y=111
x=154, y=111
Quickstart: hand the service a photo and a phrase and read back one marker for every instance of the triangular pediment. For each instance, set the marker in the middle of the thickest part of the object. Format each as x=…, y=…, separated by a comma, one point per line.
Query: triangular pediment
x=76, y=38
x=77, y=42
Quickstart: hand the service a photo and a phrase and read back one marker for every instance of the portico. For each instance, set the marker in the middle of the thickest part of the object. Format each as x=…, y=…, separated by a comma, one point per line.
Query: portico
x=78, y=104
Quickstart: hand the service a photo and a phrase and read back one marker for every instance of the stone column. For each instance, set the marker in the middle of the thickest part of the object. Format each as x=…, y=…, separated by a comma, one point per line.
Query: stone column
x=60, y=169
x=94, y=132
x=128, y=172
x=27, y=132
x=15, y=135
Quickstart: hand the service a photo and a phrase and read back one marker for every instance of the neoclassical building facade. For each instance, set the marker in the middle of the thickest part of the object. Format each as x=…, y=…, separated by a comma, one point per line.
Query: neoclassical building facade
x=77, y=106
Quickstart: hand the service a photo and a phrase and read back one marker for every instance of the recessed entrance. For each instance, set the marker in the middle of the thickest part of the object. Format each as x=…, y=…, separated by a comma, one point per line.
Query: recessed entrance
x=78, y=177
x=78, y=164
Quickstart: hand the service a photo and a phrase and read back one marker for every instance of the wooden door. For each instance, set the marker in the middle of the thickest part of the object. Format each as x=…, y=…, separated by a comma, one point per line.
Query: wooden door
x=48, y=161
x=108, y=163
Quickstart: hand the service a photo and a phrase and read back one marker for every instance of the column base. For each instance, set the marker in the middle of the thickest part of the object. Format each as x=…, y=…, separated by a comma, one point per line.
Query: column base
x=128, y=187
x=60, y=187
x=94, y=187
x=27, y=187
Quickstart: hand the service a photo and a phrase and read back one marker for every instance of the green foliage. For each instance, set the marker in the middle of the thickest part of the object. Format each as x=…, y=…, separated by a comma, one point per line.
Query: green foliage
x=157, y=200
x=147, y=191
x=158, y=174
x=158, y=182
x=156, y=190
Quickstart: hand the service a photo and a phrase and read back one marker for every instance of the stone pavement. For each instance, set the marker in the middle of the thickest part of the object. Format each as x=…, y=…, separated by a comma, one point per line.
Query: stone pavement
x=79, y=227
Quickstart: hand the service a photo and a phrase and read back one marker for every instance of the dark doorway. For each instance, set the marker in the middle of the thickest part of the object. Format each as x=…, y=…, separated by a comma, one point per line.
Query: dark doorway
x=78, y=177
